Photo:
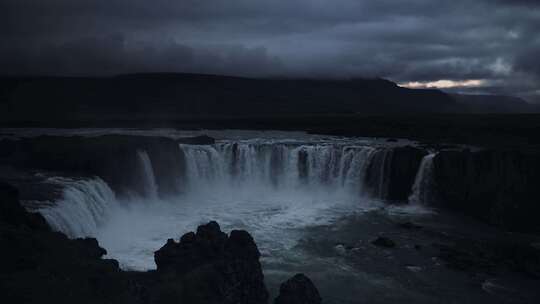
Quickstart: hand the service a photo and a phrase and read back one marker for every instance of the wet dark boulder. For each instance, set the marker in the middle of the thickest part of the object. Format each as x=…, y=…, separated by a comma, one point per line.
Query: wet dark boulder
x=298, y=290
x=498, y=187
x=226, y=268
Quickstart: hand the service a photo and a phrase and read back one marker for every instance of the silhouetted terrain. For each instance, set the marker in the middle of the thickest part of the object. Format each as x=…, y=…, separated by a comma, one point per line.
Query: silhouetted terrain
x=495, y=104
x=356, y=107
x=170, y=96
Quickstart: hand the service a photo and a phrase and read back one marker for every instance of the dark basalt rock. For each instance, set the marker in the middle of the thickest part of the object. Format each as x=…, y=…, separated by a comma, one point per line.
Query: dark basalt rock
x=498, y=187
x=384, y=242
x=91, y=246
x=12, y=212
x=231, y=263
x=298, y=290
x=41, y=266
x=193, y=250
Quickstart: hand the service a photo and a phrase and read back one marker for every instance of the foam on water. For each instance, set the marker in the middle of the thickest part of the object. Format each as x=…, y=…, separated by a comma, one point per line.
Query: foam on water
x=275, y=219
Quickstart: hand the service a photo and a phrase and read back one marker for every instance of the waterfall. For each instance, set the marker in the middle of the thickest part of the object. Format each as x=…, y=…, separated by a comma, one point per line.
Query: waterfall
x=278, y=165
x=249, y=166
x=423, y=183
x=84, y=205
x=354, y=167
x=380, y=168
x=149, y=180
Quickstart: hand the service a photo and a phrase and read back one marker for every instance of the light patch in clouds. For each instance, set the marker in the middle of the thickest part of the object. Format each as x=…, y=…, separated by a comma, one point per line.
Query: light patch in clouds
x=445, y=84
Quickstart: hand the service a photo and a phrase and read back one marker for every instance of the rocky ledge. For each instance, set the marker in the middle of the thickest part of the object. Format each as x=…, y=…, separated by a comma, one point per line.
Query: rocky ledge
x=114, y=158
x=38, y=265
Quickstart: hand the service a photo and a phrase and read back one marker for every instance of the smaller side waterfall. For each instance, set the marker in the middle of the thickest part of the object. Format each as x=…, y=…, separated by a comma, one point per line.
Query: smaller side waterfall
x=149, y=180
x=422, y=189
x=85, y=204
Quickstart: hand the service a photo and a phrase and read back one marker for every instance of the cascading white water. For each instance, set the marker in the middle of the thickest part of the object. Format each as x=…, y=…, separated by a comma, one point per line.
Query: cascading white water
x=149, y=180
x=423, y=184
x=277, y=165
x=84, y=206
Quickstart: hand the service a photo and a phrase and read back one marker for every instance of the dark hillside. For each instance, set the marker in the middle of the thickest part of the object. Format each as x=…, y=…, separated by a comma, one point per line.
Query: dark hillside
x=170, y=96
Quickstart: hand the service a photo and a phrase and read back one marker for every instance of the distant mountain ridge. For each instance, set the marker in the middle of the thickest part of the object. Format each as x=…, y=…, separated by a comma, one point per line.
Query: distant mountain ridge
x=170, y=96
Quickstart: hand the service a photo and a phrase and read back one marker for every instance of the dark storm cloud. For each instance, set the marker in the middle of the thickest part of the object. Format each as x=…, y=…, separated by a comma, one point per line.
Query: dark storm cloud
x=115, y=54
x=496, y=41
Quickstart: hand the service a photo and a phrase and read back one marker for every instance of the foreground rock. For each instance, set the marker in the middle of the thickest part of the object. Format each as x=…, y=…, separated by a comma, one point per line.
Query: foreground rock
x=209, y=258
x=11, y=212
x=41, y=266
x=298, y=290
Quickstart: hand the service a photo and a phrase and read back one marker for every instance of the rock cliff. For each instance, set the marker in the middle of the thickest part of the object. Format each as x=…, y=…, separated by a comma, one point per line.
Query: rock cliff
x=108, y=156
x=498, y=187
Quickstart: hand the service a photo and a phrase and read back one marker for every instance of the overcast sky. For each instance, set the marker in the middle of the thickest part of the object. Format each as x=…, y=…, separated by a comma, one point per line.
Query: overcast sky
x=468, y=45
